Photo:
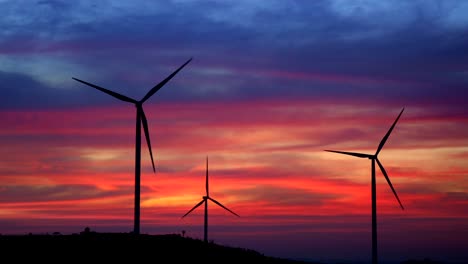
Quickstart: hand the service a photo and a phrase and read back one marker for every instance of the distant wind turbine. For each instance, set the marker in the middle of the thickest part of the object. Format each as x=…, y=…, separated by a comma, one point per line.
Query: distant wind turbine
x=205, y=200
x=374, y=158
x=140, y=119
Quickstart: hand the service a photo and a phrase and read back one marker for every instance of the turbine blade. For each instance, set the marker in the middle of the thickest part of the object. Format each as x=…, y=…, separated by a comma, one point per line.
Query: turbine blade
x=207, y=189
x=145, y=127
x=384, y=139
x=360, y=155
x=389, y=182
x=218, y=203
x=114, y=94
x=161, y=84
x=195, y=207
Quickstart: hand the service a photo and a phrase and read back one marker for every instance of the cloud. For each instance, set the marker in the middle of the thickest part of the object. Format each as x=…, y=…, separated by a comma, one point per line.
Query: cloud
x=319, y=49
x=22, y=91
x=46, y=193
x=278, y=196
x=461, y=197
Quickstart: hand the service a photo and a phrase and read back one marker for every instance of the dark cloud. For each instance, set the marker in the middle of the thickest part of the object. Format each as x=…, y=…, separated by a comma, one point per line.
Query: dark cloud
x=369, y=54
x=19, y=91
x=22, y=91
x=455, y=197
x=44, y=193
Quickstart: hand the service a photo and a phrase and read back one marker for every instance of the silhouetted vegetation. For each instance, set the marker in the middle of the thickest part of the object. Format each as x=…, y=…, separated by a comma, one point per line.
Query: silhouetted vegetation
x=93, y=246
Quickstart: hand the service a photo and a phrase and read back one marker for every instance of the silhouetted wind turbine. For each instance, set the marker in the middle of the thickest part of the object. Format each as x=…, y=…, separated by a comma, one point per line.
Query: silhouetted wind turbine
x=374, y=158
x=205, y=200
x=140, y=118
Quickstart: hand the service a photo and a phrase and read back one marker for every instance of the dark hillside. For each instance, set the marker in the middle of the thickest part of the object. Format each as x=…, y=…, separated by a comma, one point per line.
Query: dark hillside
x=107, y=247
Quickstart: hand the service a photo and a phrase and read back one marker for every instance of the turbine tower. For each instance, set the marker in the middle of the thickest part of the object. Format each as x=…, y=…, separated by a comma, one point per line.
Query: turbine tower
x=374, y=158
x=140, y=119
x=205, y=200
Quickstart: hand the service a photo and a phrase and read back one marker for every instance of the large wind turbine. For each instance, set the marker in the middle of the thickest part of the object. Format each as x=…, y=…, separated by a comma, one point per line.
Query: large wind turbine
x=374, y=159
x=205, y=200
x=140, y=119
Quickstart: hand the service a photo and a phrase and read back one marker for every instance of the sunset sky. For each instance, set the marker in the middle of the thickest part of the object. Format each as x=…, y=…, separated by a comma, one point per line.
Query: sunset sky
x=272, y=84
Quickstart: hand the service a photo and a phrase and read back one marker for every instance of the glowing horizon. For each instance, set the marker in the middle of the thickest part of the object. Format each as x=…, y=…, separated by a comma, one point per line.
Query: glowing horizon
x=263, y=172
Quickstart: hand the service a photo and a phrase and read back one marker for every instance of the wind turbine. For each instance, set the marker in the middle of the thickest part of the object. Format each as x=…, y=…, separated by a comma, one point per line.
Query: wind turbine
x=140, y=119
x=205, y=200
x=374, y=159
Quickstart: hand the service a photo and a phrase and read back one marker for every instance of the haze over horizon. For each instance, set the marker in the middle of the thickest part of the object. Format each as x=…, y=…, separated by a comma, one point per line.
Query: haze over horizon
x=271, y=85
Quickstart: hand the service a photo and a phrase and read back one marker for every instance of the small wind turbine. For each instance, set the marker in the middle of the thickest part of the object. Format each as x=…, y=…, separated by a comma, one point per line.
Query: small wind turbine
x=205, y=200
x=374, y=158
x=140, y=118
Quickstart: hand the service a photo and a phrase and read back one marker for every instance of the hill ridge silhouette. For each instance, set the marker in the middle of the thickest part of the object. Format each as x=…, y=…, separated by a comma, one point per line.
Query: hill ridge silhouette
x=93, y=246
